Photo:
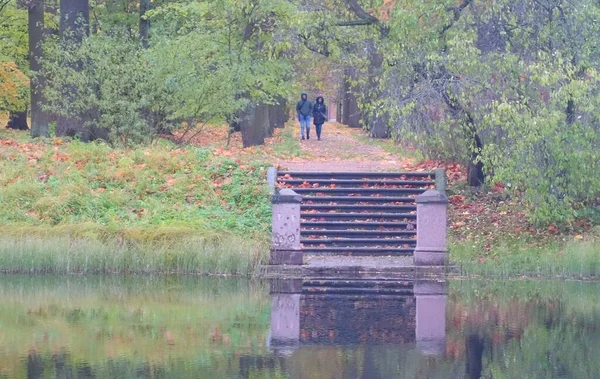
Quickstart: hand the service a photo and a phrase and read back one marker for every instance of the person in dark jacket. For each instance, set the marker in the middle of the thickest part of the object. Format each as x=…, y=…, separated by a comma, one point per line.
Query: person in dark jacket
x=319, y=115
x=304, y=109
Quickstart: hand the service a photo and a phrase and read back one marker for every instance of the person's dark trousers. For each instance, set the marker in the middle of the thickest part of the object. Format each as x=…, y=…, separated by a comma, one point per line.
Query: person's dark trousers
x=319, y=128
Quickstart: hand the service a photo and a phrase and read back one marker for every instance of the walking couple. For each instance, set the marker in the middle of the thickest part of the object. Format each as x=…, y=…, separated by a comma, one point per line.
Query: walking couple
x=306, y=109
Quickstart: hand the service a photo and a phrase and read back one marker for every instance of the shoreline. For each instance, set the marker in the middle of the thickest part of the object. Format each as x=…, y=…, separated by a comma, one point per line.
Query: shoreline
x=224, y=254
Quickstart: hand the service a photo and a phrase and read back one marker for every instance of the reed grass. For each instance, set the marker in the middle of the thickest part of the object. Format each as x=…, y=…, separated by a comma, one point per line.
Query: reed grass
x=136, y=251
x=569, y=259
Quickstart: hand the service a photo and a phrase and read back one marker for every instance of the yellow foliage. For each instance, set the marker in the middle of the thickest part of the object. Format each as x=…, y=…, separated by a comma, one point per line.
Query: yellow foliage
x=14, y=87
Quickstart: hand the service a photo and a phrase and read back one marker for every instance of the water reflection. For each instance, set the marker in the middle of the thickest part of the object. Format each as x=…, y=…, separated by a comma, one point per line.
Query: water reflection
x=359, y=312
x=365, y=317
x=97, y=327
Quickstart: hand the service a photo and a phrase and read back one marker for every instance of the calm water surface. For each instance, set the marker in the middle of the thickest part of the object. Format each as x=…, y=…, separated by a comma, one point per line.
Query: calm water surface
x=97, y=327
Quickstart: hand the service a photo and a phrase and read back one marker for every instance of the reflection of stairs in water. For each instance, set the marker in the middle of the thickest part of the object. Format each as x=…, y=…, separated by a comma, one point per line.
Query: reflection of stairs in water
x=357, y=311
x=357, y=213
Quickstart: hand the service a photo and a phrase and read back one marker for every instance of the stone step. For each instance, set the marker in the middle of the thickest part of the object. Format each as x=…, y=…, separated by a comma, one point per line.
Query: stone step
x=355, y=175
x=341, y=225
x=358, y=241
x=357, y=233
x=360, y=191
x=358, y=199
x=358, y=216
x=314, y=290
x=359, y=297
x=355, y=182
x=357, y=208
x=359, y=251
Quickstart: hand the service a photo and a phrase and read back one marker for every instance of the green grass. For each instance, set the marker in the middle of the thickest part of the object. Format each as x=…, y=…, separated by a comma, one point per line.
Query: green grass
x=75, y=207
x=512, y=258
x=289, y=145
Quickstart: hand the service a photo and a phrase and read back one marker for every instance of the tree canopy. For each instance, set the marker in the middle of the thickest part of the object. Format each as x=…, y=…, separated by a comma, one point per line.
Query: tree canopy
x=507, y=88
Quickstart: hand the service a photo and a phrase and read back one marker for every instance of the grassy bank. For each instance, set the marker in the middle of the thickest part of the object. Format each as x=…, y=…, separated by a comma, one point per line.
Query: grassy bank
x=491, y=235
x=74, y=207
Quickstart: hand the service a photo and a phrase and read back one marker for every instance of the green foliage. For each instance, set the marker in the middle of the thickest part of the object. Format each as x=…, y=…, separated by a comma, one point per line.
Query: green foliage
x=237, y=44
x=521, y=75
x=207, y=61
x=14, y=66
x=13, y=34
x=107, y=74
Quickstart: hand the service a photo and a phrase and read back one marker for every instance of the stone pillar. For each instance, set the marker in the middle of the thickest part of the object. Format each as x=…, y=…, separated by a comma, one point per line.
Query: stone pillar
x=432, y=249
x=285, y=314
x=431, y=317
x=440, y=180
x=285, y=227
x=271, y=179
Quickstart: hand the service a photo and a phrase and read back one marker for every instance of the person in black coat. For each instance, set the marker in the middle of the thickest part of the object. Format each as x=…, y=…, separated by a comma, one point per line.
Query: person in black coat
x=319, y=115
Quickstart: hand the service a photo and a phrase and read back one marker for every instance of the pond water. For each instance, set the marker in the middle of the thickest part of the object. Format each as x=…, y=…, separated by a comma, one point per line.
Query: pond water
x=109, y=327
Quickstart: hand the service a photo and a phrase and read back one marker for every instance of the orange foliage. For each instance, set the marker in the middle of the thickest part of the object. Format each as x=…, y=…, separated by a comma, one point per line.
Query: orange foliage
x=13, y=87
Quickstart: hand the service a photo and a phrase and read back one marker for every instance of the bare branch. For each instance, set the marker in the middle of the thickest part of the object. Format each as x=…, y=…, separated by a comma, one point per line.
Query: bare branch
x=354, y=23
x=365, y=17
x=361, y=13
x=457, y=12
x=315, y=49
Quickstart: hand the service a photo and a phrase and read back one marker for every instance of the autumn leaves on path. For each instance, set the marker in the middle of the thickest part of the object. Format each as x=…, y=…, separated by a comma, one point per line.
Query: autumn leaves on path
x=344, y=149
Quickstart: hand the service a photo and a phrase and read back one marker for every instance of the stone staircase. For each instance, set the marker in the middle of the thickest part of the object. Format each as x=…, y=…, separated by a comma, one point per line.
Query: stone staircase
x=357, y=213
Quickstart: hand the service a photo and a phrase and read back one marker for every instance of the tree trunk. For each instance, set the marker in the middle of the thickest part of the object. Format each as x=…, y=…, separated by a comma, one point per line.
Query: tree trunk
x=376, y=120
x=570, y=111
x=252, y=132
x=262, y=121
x=39, y=119
x=272, y=112
x=277, y=117
x=74, y=16
x=379, y=127
x=144, y=24
x=17, y=121
x=350, y=112
x=475, y=174
x=474, y=352
x=74, y=26
x=35, y=366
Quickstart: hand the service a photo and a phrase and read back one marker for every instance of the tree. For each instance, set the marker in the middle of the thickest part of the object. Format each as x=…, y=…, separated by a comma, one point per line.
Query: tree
x=144, y=24
x=74, y=27
x=14, y=79
x=508, y=87
x=240, y=44
x=39, y=121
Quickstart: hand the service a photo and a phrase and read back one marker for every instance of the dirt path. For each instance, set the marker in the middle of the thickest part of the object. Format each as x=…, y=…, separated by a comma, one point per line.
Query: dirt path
x=343, y=149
